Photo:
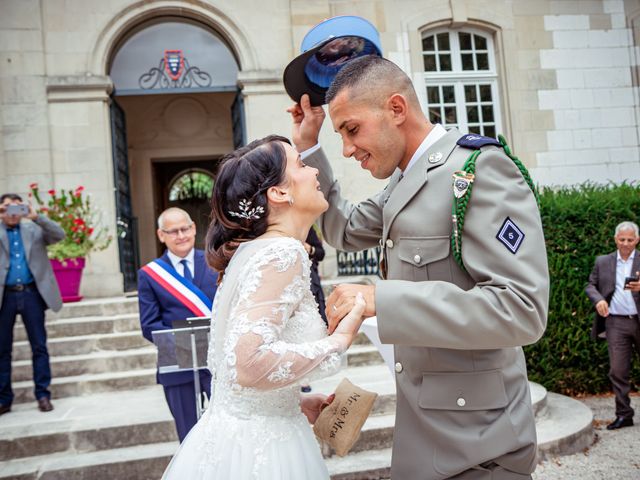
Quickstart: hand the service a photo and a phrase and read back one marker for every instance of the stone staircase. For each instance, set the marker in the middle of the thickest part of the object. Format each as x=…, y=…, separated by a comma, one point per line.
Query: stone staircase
x=111, y=420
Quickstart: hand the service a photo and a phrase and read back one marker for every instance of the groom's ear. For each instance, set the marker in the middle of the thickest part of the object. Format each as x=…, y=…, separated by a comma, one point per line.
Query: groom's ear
x=278, y=195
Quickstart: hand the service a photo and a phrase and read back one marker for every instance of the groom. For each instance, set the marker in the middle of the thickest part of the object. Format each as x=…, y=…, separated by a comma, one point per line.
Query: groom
x=463, y=402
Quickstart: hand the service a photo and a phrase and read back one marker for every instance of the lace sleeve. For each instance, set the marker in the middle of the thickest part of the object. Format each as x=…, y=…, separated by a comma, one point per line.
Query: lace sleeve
x=263, y=358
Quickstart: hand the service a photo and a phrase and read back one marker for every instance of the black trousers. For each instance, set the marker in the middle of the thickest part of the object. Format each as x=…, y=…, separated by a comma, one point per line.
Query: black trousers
x=623, y=336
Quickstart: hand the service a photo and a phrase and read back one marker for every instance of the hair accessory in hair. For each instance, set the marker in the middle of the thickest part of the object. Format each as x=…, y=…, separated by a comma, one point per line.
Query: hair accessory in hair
x=246, y=212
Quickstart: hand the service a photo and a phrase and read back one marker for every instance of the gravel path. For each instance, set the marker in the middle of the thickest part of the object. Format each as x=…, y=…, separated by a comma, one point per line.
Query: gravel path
x=614, y=454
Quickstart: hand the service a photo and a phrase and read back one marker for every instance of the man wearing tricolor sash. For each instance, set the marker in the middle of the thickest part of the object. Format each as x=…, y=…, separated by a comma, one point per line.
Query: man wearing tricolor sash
x=177, y=285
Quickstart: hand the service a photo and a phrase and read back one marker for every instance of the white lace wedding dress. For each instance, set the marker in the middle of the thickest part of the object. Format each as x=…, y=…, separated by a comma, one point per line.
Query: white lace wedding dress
x=266, y=336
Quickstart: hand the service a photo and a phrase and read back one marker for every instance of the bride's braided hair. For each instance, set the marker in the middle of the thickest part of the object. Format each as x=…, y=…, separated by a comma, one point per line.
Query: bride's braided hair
x=244, y=176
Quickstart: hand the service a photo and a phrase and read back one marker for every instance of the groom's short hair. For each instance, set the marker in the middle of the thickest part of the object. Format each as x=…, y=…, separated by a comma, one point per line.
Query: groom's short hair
x=374, y=78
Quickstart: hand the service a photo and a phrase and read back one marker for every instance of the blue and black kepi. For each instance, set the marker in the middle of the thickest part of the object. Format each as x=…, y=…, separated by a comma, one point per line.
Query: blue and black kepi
x=328, y=47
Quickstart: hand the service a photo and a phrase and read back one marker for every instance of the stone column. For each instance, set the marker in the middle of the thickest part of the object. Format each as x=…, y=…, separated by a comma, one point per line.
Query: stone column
x=80, y=135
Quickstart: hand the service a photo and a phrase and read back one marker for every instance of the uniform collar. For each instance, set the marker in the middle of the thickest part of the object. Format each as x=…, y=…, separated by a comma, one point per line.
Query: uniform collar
x=436, y=133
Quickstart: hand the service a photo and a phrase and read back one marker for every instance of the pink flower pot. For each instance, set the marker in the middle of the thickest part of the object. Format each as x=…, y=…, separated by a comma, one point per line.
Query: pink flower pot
x=68, y=275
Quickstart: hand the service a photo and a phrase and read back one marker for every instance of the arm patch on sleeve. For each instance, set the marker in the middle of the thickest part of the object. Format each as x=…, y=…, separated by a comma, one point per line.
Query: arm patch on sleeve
x=510, y=235
x=474, y=141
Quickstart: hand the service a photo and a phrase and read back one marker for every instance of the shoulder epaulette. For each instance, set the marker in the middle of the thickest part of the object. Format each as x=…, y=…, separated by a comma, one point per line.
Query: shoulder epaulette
x=477, y=141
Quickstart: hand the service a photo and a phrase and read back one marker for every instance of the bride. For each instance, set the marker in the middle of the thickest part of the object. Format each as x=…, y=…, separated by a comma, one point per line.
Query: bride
x=267, y=335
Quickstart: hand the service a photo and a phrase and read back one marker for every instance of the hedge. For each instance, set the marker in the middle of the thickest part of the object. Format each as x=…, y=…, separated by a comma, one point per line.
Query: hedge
x=579, y=224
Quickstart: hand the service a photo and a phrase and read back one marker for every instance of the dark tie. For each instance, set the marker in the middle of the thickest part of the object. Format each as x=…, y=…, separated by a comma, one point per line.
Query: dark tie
x=187, y=273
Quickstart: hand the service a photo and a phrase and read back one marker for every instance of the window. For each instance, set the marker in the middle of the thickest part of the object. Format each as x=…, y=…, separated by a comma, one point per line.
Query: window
x=193, y=185
x=461, y=81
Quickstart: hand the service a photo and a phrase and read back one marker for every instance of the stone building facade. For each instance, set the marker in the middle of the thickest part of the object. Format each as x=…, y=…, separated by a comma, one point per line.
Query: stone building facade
x=79, y=105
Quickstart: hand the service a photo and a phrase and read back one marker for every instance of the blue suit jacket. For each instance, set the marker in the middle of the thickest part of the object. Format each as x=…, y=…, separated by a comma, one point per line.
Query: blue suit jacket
x=158, y=308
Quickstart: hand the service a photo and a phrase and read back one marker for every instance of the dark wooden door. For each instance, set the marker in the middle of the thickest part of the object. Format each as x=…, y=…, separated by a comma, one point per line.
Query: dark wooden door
x=126, y=223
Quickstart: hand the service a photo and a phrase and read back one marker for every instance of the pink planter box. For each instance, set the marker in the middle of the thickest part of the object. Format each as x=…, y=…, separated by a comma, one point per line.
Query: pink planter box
x=68, y=275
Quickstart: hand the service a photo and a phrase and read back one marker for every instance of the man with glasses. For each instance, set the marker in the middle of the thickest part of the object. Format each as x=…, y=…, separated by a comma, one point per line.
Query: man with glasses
x=175, y=286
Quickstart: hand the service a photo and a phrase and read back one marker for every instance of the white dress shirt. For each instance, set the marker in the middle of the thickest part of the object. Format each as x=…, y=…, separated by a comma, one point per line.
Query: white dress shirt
x=175, y=261
x=622, y=302
x=436, y=133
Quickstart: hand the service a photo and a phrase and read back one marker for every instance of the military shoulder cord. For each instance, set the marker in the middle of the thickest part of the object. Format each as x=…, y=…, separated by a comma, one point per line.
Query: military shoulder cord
x=461, y=202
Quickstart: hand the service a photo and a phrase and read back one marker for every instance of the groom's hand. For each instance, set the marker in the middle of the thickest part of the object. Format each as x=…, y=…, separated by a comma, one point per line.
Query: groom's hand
x=307, y=122
x=342, y=300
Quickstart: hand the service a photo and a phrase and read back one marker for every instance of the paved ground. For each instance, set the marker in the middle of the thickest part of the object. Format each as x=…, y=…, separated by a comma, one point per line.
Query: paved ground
x=614, y=455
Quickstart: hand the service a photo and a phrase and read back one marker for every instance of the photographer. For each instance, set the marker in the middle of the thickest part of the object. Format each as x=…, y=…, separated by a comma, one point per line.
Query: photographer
x=613, y=289
x=27, y=287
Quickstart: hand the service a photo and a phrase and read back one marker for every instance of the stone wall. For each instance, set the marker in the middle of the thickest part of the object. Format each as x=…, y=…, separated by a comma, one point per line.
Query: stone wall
x=567, y=74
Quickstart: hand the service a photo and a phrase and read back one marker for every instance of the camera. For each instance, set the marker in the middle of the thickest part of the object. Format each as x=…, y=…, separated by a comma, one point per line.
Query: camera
x=18, y=210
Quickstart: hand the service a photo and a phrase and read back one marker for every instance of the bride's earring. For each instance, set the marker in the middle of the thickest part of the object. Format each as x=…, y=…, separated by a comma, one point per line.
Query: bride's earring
x=291, y=201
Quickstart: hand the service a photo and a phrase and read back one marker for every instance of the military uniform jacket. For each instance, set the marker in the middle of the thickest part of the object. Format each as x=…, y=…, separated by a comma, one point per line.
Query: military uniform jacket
x=462, y=390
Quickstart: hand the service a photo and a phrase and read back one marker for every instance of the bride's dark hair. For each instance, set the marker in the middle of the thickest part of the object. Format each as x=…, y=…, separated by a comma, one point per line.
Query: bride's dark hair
x=239, y=207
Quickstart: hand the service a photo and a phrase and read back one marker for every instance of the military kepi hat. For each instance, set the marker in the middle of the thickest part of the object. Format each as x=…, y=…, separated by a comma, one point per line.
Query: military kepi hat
x=327, y=48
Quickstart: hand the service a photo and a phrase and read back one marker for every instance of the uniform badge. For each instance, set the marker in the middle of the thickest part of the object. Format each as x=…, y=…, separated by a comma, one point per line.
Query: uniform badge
x=510, y=235
x=461, y=182
x=434, y=157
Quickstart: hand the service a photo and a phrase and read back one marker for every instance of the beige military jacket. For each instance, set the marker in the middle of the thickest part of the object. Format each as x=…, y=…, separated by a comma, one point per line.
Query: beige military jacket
x=462, y=392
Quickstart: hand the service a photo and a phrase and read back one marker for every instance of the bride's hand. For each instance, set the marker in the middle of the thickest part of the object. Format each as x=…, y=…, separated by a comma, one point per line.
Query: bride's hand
x=348, y=327
x=313, y=404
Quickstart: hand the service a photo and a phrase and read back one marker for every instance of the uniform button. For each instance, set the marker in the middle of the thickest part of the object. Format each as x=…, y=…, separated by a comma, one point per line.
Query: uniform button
x=461, y=402
x=398, y=367
x=417, y=258
x=389, y=243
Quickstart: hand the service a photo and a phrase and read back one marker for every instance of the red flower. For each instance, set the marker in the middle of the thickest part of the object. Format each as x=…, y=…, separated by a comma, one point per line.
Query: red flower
x=51, y=192
x=74, y=229
x=78, y=221
x=33, y=186
x=90, y=231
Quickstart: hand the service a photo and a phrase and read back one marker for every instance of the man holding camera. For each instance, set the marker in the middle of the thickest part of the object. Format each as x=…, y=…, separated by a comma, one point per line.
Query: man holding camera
x=27, y=287
x=613, y=289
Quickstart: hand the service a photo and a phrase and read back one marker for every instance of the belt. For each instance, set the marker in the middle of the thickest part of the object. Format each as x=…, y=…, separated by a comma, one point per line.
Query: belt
x=630, y=317
x=20, y=287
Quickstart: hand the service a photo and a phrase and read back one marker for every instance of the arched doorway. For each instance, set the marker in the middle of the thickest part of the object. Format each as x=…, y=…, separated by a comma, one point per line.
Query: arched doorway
x=176, y=108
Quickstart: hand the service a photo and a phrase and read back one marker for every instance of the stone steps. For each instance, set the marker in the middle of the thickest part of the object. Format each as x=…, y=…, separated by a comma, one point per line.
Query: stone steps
x=96, y=362
x=111, y=420
x=82, y=326
x=84, y=344
x=134, y=417
x=104, y=371
x=86, y=384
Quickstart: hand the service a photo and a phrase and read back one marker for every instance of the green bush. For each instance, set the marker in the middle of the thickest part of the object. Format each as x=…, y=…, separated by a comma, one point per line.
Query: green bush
x=579, y=224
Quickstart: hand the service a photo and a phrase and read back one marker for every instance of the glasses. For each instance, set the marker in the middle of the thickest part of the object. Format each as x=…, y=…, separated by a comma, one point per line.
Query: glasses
x=177, y=231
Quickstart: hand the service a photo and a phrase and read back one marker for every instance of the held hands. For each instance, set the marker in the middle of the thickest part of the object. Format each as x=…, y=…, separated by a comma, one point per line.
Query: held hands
x=342, y=303
x=348, y=328
x=602, y=307
x=307, y=121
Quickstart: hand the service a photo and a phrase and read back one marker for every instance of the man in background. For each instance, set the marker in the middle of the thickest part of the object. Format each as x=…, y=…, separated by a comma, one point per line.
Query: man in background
x=28, y=287
x=613, y=289
x=176, y=286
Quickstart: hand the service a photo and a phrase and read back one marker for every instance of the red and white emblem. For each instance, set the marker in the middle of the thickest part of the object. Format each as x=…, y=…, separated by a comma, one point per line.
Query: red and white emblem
x=174, y=63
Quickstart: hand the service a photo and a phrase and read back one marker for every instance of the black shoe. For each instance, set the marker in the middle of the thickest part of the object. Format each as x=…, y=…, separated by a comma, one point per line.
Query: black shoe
x=44, y=404
x=5, y=409
x=620, y=422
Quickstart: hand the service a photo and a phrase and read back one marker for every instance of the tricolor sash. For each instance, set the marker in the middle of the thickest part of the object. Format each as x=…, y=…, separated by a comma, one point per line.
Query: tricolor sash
x=185, y=292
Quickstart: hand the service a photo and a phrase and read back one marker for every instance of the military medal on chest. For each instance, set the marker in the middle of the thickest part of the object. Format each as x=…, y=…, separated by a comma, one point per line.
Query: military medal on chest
x=461, y=182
